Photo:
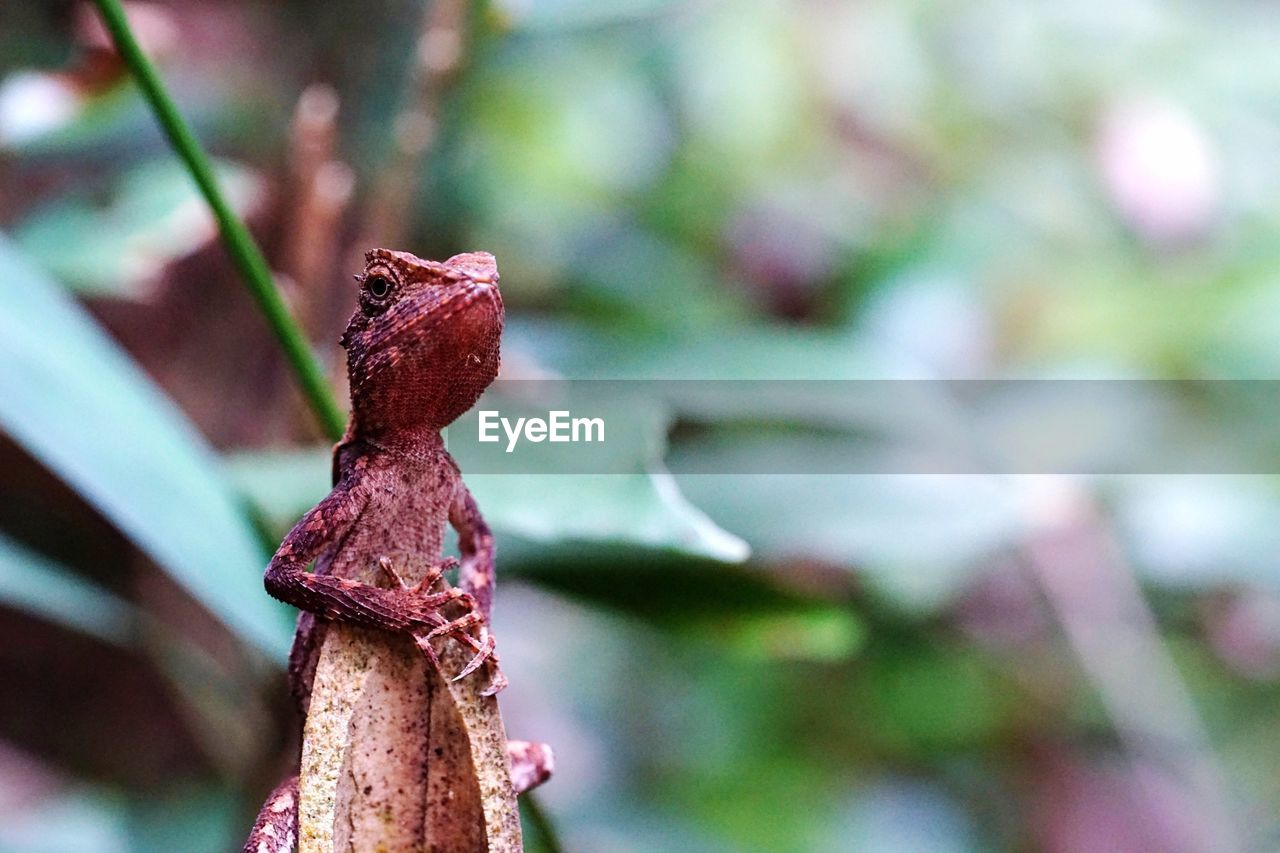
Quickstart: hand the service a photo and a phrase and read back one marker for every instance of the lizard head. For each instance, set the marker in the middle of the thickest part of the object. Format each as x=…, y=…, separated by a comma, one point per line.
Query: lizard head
x=423, y=343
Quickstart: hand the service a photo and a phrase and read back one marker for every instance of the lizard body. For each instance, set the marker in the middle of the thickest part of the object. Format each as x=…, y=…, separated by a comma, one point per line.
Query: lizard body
x=379, y=629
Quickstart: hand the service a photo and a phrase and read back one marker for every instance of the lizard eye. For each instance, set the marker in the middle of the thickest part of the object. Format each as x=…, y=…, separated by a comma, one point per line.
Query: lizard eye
x=378, y=286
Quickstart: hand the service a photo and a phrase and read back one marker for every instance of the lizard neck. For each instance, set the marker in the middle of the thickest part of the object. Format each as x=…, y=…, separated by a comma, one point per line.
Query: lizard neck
x=417, y=442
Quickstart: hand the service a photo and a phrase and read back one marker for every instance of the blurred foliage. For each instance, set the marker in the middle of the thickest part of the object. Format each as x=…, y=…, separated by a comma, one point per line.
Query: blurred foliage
x=127, y=239
x=673, y=190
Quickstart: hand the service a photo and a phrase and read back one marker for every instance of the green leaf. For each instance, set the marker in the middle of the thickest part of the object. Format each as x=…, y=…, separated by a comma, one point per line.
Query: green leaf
x=740, y=608
x=153, y=215
x=83, y=818
x=915, y=539
x=637, y=509
x=185, y=816
x=43, y=588
x=188, y=816
x=217, y=700
x=75, y=401
x=98, y=129
x=281, y=485
x=642, y=509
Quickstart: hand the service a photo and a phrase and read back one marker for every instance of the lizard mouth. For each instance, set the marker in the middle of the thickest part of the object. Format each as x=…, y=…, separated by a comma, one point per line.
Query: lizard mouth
x=464, y=316
x=444, y=312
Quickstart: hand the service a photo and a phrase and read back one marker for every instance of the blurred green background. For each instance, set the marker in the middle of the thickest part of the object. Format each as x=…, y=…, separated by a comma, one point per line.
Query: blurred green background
x=713, y=190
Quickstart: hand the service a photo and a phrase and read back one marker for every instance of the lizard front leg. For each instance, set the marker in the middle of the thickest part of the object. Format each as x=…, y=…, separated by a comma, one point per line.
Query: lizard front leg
x=475, y=542
x=402, y=610
x=308, y=637
x=476, y=578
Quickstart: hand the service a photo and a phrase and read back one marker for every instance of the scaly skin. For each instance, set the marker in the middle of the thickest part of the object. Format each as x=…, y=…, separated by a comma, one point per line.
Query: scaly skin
x=421, y=348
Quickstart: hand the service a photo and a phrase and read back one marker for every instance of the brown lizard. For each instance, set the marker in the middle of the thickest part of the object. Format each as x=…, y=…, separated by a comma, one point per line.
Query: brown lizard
x=421, y=348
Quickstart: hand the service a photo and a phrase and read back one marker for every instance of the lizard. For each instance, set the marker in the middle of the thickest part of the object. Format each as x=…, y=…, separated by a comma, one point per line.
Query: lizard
x=422, y=346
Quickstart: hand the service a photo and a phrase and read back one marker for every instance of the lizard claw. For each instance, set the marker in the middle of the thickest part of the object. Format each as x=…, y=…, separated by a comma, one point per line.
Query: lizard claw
x=420, y=602
x=389, y=568
x=420, y=641
x=457, y=626
x=485, y=652
x=485, y=649
x=428, y=580
x=496, y=684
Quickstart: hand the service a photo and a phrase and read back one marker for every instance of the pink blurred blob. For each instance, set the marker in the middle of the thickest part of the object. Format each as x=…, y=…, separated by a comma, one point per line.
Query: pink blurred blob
x=1159, y=170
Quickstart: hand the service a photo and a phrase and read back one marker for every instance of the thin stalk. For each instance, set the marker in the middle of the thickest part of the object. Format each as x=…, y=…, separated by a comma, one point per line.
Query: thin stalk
x=532, y=810
x=235, y=236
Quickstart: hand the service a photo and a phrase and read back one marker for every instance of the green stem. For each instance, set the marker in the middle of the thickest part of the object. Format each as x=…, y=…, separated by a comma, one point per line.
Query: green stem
x=532, y=810
x=256, y=273
x=240, y=245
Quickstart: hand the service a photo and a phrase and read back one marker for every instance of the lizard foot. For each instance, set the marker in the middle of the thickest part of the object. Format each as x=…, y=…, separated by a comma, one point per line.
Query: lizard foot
x=531, y=764
x=458, y=629
x=419, y=600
